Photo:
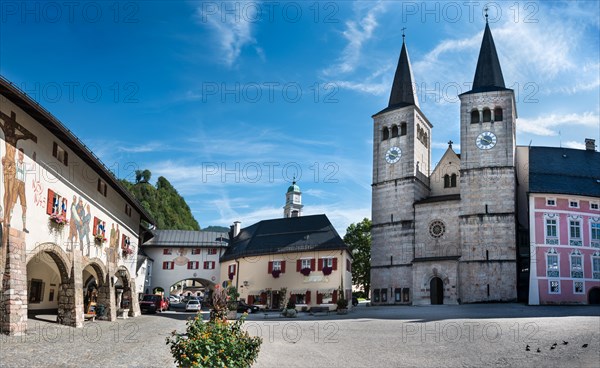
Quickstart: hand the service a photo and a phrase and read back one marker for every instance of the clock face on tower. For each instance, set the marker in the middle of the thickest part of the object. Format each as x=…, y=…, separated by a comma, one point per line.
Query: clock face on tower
x=486, y=140
x=393, y=155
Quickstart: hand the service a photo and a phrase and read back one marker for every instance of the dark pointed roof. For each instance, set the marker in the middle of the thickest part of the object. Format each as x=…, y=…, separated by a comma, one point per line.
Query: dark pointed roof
x=488, y=75
x=402, y=88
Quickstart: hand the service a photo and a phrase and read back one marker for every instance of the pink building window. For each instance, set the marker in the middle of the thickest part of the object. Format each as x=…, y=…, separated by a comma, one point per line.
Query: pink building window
x=552, y=231
x=575, y=232
x=576, y=265
x=578, y=287
x=596, y=266
x=554, y=286
x=552, y=269
x=595, y=234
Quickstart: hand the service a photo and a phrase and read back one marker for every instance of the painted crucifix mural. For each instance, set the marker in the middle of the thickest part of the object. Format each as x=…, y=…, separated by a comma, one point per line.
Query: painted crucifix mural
x=13, y=168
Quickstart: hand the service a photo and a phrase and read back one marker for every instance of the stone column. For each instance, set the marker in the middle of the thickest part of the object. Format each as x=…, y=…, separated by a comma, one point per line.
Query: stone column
x=106, y=297
x=134, y=306
x=70, y=295
x=14, y=285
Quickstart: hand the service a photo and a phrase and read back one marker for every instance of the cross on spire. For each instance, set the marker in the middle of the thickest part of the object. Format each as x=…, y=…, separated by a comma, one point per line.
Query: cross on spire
x=450, y=144
x=403, y=35
x=486, y=13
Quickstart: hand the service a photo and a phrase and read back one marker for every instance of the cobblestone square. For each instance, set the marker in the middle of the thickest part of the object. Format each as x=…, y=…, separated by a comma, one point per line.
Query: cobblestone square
x=454, y=336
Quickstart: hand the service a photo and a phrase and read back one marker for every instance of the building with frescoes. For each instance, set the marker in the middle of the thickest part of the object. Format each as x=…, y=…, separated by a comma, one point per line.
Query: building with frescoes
x=70, y=230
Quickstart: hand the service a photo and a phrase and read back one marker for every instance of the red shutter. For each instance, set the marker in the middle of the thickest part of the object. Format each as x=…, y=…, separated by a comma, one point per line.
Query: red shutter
x=282, y=266
x=312, y=264
x=172, y=265
x=55, y=149
x=165, y=265
x=334, y=264
x=334, y=297
x=189, y=265
x=263, y=298
x=95, y=226
x=319, y=298
x=213, y=265
x=123, y=241
x=206, y=265
x=50, y=202
x=298, y=265
x=320, y=264
x=307, y=297
x=270, y=267
x=250, y=299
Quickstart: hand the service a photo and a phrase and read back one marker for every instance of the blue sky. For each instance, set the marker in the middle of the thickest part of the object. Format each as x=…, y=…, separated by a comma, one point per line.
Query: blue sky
x=230, y=100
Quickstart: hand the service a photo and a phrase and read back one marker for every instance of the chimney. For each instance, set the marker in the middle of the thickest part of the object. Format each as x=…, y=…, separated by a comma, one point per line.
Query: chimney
x=590, y=144
x=236, y=228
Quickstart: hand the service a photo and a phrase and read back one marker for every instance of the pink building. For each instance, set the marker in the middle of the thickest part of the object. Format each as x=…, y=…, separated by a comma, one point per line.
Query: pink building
x=564, y=225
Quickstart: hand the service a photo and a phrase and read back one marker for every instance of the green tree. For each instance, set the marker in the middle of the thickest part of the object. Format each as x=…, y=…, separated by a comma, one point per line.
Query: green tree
x=358, y=239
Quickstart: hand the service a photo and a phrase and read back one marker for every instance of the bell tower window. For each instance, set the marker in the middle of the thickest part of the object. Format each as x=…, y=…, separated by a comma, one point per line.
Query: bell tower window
x=498, y=114
x=394, y=131
x=402, y=129
x=487, y=115
x=386, y=133
x=475, y=117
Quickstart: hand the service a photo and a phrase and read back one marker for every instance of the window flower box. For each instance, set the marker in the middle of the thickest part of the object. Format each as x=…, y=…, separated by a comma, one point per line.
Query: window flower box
x=305, y=271
x=231, y=274
x=276, y=273
x=58, y=220
x=327, y=271
x=99, y=239
x=127, y=252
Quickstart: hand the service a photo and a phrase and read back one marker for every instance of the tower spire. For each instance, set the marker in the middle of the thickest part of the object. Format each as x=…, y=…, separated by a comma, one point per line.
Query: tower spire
x=488, y=75
x=403, y=93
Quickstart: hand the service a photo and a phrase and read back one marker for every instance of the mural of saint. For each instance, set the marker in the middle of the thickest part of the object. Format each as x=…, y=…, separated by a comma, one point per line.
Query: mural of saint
x=84, y=230
x=73, y=222
x=181, y=260
x=19, y=187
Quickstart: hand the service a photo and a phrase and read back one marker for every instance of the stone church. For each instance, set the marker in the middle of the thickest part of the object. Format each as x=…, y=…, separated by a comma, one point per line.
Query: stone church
x=445, y=234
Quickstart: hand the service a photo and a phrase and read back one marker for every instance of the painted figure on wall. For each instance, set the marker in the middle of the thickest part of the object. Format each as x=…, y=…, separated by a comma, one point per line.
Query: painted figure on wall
x=19, y=187
x=13, y=132
x=84, y=229
x=73, y=222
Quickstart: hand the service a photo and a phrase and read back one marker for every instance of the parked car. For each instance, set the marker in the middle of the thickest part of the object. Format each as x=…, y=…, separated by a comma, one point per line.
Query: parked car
x=193, y=305
x=153, y=303
x=243, y=307
x=174, y=299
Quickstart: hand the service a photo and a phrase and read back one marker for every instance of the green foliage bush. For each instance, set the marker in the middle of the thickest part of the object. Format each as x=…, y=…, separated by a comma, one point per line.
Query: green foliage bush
x=217, y=342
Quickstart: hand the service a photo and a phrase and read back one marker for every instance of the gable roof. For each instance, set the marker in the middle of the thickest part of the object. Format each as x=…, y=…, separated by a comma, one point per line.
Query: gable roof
x=285, y=235
x=564, y=171
x=187, y=238
x=48, y=121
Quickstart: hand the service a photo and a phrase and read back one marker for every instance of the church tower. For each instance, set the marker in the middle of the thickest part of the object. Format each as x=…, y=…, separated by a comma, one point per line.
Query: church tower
x=293, y=201
x=401, y=167
x=487, y=183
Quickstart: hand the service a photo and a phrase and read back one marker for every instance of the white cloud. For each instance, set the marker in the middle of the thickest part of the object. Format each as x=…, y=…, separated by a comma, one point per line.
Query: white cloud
x=573, y=144
x=148, y=147
x=234, y=31
x=357, y=32
x=550, y=125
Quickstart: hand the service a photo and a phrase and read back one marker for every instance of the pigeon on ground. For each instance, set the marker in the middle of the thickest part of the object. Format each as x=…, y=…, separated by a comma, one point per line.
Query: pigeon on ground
x=565, y=342
x=584, y=345
x=553, y=347
x=527, y=348
x=538, y=350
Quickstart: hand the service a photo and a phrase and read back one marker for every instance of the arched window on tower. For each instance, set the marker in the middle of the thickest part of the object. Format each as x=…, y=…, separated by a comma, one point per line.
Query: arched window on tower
x=425, y=139
x=487, y=115
x=386, y=133
x=446, y=181
x=475, y=117
x=394, y=131
x=453, y=181
x=498, y=114
x=402, y=129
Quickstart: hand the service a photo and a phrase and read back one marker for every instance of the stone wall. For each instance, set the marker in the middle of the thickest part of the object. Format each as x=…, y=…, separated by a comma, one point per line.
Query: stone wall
x=14, y=285
x=501, y=276
x=423, y=272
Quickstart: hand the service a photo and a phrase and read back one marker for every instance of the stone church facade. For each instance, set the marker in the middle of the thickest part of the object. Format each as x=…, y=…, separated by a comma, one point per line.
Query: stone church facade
x=445, y=235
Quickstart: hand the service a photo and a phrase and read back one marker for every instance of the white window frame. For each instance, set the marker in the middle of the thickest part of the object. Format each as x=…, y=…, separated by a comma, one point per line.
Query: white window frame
x=551, y=204
x=571, y=201
x=305, y=263
x=596, y=270
x=576, y=255
x=550, y=281
x=552, y=252
x=573, y=240
x=276, y=265
x=594, y=204
x=551, y=240
x=582, y=287
x=327, y=262
x=595, y=242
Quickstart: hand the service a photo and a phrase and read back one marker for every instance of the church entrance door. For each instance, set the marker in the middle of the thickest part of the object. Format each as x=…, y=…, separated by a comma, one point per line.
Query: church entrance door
x=436, y=291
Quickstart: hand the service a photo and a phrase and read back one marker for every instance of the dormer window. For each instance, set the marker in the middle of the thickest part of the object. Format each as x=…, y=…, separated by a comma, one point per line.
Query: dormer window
x=60, y=154
x=102, y=187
